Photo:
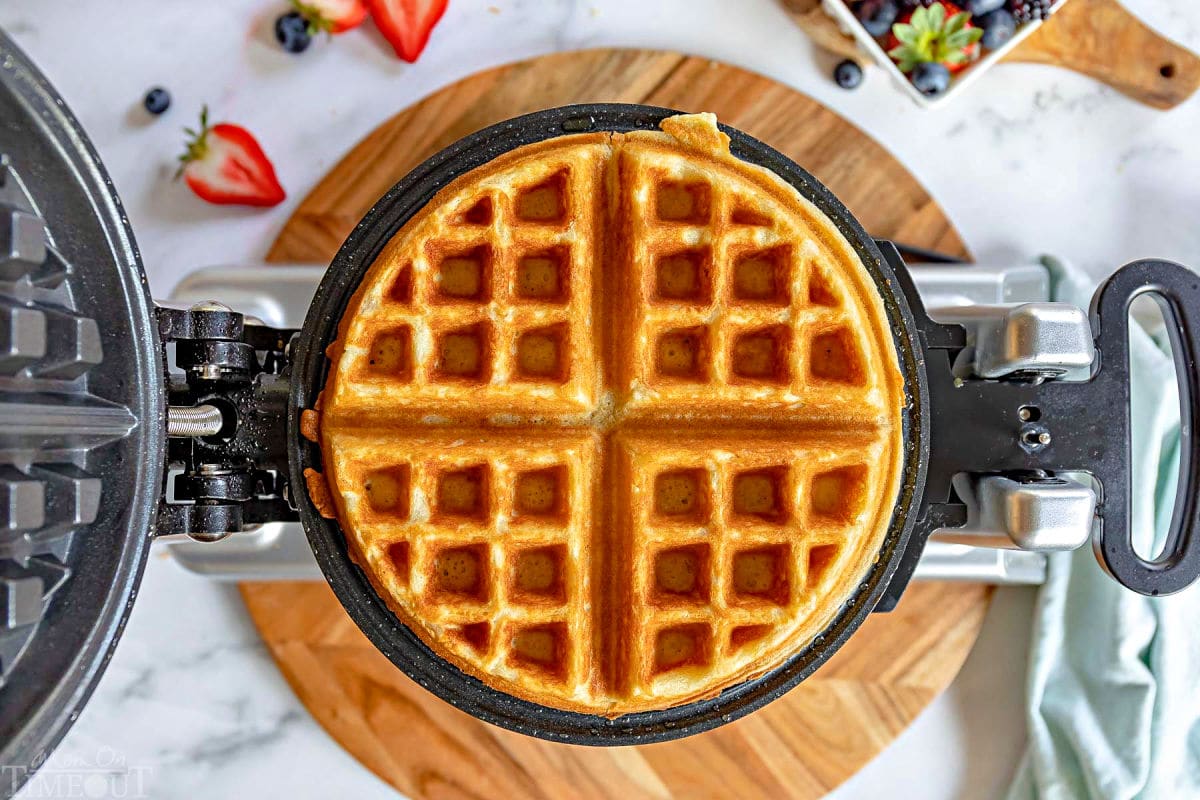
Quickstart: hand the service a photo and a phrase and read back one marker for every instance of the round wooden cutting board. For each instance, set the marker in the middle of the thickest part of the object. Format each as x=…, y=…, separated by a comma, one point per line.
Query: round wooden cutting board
x=800, y=746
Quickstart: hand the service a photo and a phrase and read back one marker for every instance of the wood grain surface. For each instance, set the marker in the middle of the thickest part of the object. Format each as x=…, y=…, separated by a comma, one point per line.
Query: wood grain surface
x=1098, y=38
x=800, y=746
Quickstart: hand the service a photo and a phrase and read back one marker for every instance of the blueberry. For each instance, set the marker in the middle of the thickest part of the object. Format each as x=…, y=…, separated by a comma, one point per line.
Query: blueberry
x=157, y=100
x=980, y=7
x=291, y=30
x=877, y=16
x=998, y=27
x=848, y=74
x=930, y=78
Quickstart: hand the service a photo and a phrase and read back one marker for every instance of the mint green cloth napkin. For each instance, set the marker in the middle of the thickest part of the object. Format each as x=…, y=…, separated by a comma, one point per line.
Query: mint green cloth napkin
x=1114, y=677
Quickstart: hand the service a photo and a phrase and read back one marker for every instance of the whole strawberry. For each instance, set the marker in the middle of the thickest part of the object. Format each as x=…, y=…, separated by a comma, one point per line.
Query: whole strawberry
x=224, y=164
x=941, y=34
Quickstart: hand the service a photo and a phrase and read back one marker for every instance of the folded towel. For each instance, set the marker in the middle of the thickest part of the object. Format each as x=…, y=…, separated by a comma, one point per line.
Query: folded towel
x=1114, y=677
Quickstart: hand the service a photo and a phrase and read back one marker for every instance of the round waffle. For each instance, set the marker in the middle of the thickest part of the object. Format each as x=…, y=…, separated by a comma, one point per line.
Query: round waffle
x=613, y=423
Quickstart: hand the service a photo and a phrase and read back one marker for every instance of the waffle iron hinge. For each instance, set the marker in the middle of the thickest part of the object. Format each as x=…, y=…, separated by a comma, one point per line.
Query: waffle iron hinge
x=226, y=467
x=1005, y=426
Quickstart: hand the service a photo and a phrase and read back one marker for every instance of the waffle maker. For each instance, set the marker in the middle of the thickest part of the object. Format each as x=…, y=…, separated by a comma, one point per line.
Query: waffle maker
x=122, y=421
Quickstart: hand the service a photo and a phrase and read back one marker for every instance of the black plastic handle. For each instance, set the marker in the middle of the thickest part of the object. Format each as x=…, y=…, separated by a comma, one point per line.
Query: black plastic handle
x=1178, y=289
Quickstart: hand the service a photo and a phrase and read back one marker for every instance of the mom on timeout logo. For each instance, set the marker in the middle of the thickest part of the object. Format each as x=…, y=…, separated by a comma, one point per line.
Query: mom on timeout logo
x=107, y=775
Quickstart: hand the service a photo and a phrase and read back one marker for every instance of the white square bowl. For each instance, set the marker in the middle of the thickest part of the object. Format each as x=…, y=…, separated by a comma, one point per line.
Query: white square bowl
x=849, y=24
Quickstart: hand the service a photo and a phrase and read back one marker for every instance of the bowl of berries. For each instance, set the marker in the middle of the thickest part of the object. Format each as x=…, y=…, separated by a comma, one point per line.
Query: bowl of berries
x=934, y=48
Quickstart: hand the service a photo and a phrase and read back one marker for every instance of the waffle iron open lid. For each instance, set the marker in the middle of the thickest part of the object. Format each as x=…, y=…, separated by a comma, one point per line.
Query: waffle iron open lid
x=81, y=418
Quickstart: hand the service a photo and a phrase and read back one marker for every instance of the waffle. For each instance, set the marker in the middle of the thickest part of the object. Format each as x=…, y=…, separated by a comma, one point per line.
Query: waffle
x=613, y=423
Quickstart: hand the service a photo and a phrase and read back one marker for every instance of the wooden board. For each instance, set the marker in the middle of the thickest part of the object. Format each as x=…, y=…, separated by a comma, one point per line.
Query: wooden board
x=1098, y=38
x=802, y=745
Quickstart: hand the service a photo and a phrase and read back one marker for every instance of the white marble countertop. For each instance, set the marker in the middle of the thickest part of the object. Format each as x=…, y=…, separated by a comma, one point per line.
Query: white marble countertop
x=1032, y=159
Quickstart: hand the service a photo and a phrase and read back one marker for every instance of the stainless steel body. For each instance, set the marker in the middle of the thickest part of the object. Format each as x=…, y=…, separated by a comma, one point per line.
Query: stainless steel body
x=1031, y=340
x=279, y=295
x=1034, y=513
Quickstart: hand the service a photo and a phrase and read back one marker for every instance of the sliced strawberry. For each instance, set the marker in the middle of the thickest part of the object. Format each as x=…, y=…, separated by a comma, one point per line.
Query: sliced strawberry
x=406, y=23
x=331, y=16
x=224, y=164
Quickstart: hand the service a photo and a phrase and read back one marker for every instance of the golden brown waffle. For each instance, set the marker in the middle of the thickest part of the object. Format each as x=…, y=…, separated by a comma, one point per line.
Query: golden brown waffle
x=613, y=423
